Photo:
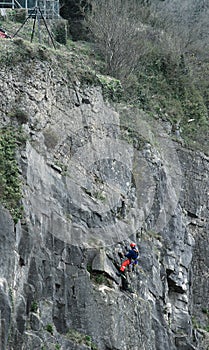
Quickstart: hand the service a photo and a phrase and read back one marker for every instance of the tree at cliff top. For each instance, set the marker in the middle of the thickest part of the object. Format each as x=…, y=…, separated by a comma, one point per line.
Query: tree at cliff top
x=140, y=48
x=74, y=11
x=117, y=28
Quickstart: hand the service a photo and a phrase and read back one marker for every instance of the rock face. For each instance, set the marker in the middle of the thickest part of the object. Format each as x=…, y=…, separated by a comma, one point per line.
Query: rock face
x=96, y=177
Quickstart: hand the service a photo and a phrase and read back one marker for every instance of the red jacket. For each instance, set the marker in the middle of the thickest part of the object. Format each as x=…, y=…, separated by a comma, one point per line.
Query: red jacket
x=3, y=34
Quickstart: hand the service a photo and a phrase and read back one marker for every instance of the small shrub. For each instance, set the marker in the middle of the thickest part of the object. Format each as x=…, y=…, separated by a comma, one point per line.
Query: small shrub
x=17, y=15
x=20, y=114
x=99, y=277
x=111, y=88
x=195, y=324
x=75, y=336
x=81, y=338
x=60, y=32
x=100, y=195
x=88, y=338
x=87, y=77
x=49, y=328
x=34, y=307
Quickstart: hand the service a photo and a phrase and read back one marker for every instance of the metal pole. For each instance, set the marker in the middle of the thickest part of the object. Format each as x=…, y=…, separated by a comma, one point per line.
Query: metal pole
x=47, y=29
x=23, y=23
x=39, y=29
x=34, y=24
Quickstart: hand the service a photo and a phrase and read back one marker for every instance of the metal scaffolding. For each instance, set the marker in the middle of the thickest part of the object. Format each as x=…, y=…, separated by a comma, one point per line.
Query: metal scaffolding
x=49, y=8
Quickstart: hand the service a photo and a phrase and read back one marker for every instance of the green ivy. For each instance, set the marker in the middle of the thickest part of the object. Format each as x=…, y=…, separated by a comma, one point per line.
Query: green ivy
x=80, y=338
x=34, y=307
x=100, y=277
x=111, y=87
x=49, y=328
x=10, y=183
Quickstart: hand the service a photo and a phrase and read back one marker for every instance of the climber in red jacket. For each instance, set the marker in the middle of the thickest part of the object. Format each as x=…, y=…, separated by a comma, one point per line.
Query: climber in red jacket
x=131, y=256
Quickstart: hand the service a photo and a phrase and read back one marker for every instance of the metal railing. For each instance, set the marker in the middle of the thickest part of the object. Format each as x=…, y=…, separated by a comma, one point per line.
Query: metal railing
x=10, y=4
x=49, y=8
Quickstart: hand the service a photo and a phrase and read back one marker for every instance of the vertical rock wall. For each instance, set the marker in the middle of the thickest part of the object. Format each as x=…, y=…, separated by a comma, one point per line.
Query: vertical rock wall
x=95, y=178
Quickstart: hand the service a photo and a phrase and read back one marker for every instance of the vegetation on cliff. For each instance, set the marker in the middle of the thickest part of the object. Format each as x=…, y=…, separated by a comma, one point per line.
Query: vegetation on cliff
x=139, y=62
x=10, y=182
x=135, y=55
x=159, y=71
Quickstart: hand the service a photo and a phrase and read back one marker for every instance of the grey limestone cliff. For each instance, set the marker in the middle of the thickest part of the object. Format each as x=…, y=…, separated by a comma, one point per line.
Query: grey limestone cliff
x=95, y=177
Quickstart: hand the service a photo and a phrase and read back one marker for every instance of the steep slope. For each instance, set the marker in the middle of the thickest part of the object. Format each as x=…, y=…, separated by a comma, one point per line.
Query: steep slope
x=94, y=177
